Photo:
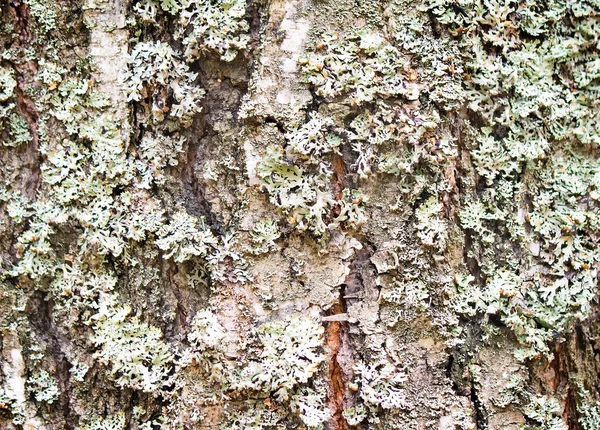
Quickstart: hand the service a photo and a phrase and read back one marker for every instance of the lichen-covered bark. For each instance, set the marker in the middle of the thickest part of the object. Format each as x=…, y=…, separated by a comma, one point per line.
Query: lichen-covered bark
x=231, y=214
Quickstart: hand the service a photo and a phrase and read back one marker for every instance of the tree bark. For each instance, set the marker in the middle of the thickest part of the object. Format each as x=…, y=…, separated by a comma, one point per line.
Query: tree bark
x=301, y=214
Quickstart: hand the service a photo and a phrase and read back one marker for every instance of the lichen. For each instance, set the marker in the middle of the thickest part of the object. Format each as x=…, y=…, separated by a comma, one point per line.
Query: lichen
x=305, y=197
x=289, y=356
x=137, y=356
x=514, y=84
x=545, y=411
x=264, y=234
x=182, y=238
x=452, y=143
x=364, y=67
x=157, y=76
x=43, y=386
x=111, y=422
x=203, y=27
x=380, y=385
x=15, y=129
x=44, y=14
x=214, y=25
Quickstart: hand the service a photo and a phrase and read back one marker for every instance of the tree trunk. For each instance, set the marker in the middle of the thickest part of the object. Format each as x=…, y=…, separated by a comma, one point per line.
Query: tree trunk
x=301, y=214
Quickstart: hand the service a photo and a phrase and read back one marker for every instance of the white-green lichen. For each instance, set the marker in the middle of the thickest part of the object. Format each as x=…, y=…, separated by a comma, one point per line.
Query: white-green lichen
x=306, y=197
x=203, y=27
x=111, y=422
x=137, y=356
x=534, y=156
x=364, y=67
x=43, y=387
x=182, y=238
x=311, y=407
x=546, y=411
x=44, y=14
x=432, y=227
x=156, y=75
x=264, y=234
x=290, y=354
x=313, y=140
x=14, y=127
x=380, y=384
x=214, y=26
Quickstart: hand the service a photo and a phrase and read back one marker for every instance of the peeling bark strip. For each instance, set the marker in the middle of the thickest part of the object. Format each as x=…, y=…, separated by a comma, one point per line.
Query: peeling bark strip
x=305, y=214
x=337, y=383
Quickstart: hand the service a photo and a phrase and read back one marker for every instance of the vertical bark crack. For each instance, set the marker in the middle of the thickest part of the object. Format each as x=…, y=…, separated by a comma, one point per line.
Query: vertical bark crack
x=480, y=418
x=334, y=341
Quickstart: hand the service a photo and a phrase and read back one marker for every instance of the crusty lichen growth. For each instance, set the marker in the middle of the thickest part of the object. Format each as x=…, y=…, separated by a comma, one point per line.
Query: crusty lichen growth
x=289, y=356
x=101, y=194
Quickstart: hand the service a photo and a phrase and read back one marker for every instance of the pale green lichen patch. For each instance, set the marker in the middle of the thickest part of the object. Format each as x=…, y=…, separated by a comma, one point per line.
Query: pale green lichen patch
x=534, y=156
x=380, y=385
x=305, y=197
x=97, y=210
x=214, y=25
x=8, y=84
x=44, y=14
x=264, y=234
x=112, y=422
x=546, y=411
x=276, y=370
x=14, y=127
x=454, y=138
x=43, y=387
x=364, y=67
x=383, y=124
x=157, y=75
x=289, y=355
x=135, y=352
x=431, y=225
x=312, y=139
x=588, y=409
x=203, y=27
x=182, y=238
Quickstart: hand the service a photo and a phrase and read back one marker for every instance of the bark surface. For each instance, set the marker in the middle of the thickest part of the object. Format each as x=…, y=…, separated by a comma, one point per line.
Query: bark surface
x=299, y=214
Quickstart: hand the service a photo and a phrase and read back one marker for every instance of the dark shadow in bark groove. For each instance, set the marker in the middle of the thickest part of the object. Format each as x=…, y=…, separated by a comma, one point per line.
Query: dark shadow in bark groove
x=480, y=415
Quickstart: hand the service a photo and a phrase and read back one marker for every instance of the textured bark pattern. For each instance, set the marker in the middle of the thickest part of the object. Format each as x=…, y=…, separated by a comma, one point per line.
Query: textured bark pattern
x=297, y=214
